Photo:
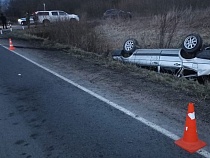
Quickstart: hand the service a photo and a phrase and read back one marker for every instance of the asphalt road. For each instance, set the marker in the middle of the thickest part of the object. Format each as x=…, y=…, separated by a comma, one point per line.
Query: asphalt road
x=42, y=115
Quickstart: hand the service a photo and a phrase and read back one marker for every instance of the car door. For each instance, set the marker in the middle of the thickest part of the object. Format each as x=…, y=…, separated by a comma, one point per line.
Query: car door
x=63, y=16
x=155, y=57
x=147, y=57
x=169, y=58
x=42, y=15
x=54, y=16
x=201, y=66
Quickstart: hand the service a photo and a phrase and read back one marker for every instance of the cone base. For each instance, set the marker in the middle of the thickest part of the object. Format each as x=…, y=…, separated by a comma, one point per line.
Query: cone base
x=190, y=147
x=11, y=48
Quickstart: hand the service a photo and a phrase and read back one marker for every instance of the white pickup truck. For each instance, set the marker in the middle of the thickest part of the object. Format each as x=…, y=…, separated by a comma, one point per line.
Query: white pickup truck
x=47, y=17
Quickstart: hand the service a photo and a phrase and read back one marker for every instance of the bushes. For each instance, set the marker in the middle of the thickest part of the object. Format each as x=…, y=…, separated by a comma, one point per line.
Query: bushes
x=77, y=34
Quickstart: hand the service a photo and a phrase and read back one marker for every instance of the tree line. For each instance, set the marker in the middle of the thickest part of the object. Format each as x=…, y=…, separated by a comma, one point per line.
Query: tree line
x=95, y=8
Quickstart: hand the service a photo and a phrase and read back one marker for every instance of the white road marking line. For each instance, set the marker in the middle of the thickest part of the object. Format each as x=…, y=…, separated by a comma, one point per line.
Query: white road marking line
x=131, y=114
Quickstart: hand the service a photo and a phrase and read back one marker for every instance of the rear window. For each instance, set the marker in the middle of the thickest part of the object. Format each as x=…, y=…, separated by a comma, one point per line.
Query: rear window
x=43, y=13
x=62, y=13
x=55, y=13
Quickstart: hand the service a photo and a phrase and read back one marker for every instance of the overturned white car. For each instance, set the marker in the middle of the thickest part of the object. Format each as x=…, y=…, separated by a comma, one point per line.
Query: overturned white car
x=190, y=61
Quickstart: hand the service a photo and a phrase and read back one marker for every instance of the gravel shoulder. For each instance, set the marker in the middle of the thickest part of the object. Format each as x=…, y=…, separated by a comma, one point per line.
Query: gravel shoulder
x=152, y=100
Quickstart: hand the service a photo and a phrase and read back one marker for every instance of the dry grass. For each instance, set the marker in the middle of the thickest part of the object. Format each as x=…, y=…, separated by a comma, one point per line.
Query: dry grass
x=147, y=30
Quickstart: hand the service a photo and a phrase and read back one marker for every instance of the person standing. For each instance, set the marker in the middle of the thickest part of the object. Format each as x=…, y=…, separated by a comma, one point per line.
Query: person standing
x=35, y=18
x=28, y=19
x=3, y=20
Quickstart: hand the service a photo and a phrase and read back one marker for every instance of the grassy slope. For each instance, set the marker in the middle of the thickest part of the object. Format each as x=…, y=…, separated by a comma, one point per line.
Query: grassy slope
x=147, y=32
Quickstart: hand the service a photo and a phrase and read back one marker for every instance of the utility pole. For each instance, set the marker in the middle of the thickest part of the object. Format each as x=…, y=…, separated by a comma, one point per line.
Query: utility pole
x=44, y=6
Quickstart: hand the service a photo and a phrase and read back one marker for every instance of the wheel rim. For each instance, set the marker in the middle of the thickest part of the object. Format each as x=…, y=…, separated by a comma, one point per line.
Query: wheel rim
x=129, y=45
x=190, y=42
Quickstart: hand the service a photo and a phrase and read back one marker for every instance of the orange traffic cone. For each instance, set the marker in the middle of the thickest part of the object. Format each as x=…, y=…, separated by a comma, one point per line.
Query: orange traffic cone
x=11, y=47
x=190, y=140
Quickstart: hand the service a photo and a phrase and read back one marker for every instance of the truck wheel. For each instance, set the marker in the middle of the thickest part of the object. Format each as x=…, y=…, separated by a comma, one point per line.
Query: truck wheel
x=46, y=22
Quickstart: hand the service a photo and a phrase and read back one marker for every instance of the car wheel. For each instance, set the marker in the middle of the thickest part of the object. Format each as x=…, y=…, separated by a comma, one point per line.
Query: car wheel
x=46, y=22
x=73, y=20
x=192, y=43
x=23, y=23
x=130, y=45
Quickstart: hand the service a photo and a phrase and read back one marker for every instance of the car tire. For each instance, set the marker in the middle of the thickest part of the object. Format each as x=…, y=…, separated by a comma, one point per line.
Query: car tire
x=23, y=23
x=46, y=22
x=192, y=43
x=73, y=20
x=130, y=45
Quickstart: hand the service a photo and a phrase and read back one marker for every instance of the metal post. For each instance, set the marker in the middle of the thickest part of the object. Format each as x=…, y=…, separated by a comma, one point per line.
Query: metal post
x=44, y=6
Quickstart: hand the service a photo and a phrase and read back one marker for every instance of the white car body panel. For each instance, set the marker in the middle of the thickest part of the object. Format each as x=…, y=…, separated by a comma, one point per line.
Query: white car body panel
x=170, y=58
x=201, y=66
x=147, y=57
x=167, y=58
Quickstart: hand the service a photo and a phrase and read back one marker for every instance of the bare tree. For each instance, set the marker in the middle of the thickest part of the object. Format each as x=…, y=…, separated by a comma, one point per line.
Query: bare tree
x=167, y=24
